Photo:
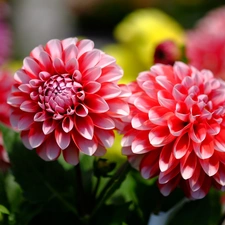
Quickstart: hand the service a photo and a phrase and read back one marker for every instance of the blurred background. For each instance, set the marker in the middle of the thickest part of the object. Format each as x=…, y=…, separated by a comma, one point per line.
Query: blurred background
x=33, y=22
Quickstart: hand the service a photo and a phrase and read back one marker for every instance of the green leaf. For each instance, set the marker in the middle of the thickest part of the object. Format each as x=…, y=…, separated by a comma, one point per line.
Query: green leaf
x=51, y=212
x=14, y=192
x=39, y=180
x=3, y=195
x=4, y=210
x=9, y=137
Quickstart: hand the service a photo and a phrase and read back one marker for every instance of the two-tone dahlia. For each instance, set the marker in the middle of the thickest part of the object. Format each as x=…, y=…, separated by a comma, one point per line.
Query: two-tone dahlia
x=205, y=44
x=66, y=99
x=177, y=129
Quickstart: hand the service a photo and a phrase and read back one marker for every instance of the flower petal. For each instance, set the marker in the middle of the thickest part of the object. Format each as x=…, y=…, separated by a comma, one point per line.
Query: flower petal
x=71, y=154
x=86, y=146
x=160, y=136
x=109, y=91
x=102, y=121
x=85, y=127
x=159, y=115
x=210, y=165
x=29, y=106
x=31, y=67
x=106, y=137
x=36, y=136
x=54, y=48
x=167, y=159
x=62, y=138
x=198, y=132
x=181, y=146
x=118, y=108
x=149, y=165
x=67, y=124
x=141, y=144
x=96, y=103
x=187, y=165
x=49, y=150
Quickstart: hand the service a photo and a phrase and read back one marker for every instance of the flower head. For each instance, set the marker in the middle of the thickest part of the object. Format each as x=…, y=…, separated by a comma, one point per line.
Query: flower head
x=177, y=128
x=66, y=98
x=205, y=45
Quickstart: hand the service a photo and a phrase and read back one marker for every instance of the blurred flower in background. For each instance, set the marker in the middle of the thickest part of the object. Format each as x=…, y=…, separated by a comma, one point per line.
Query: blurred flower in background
x=167, y=52
x=5, y=33
x=205, y=44
x=4, y=159
x=139, y=34
x=6, y=82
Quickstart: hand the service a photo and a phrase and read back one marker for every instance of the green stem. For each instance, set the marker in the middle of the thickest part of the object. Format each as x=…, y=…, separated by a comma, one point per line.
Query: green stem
x=111, y=186
x=64, y=202
x=95, y=192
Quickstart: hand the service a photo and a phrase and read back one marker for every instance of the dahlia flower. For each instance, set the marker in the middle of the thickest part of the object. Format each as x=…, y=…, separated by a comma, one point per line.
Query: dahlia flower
x=205, y=47
x=144, y=29
x=177, y=128
x=66, y=99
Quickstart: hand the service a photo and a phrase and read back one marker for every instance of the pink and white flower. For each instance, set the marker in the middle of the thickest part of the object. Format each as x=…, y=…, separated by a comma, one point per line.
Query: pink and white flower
x=66, y=99
x=177, y=129
x=205, y=46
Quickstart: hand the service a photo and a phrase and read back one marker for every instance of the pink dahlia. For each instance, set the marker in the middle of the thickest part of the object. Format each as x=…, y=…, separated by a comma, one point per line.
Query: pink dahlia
x=177, y=129
x=205, y=47
x=66, y=98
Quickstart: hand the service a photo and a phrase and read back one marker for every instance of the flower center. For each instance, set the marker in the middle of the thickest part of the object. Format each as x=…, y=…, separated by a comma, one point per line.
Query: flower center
x=60, y=94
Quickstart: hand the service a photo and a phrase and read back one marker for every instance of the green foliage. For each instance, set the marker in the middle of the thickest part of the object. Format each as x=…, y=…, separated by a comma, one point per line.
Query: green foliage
x=94, y=192
x=113, y=214
x=3, y=209
x=206, y=211
x=9, y=137
x=39, y=180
